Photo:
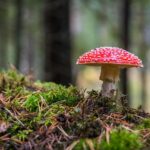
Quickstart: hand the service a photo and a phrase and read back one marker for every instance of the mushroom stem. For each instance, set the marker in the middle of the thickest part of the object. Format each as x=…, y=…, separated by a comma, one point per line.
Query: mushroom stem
x=109, y=76
x=108, y=89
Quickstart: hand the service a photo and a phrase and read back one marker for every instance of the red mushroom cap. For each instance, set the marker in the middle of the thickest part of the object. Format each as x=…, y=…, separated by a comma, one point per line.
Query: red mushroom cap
x=110, y=55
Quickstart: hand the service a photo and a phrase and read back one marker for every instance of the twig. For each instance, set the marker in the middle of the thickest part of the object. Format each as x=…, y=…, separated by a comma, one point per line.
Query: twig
x=70, y=147
x=14, y=116
x=90, y=144
x=147, y=135
x=4, y=137
x=64, y=133
x=129, y=129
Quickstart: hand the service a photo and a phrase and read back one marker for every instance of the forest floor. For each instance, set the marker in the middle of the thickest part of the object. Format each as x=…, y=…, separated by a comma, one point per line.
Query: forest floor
x=48, y=116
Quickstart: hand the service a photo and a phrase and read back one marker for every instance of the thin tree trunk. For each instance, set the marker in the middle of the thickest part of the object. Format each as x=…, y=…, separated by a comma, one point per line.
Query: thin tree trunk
x=3, y=33
x=18, y=31
x=27, y=41
x=57, y=41
x=125, y=42
x=143, y=54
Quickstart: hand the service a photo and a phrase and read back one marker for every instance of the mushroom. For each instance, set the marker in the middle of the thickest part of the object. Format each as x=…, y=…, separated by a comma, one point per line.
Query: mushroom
x=111, y=60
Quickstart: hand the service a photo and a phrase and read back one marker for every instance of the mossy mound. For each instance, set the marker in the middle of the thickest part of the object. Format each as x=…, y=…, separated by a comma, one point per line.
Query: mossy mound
x=36, y=115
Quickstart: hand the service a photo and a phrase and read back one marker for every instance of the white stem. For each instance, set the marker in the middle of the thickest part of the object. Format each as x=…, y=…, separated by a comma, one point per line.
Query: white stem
x=108, y=89
x=109, y=76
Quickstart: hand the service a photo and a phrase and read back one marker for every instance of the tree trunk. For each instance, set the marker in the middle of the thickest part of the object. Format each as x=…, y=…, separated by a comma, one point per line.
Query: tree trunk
x=143, y=54
x=57, y=41
x=125, y=41
x=3, y=33
x=27, y=40
x=18, y=30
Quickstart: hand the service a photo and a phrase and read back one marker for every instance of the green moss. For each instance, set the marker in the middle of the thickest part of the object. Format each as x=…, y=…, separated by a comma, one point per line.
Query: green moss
x=46, y=85
x=11, y=79
x=23, y=93
x=81, y=145
x=119, y=140
x=22, y=135
x=68, y=96
x=32, y=102
x=3, y=115
x=53, y=111
x=144, y=124
x=122, y=140
x=15, y=127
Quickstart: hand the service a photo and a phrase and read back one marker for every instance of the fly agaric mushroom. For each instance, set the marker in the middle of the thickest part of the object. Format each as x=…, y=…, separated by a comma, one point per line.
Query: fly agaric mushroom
x=111, y=60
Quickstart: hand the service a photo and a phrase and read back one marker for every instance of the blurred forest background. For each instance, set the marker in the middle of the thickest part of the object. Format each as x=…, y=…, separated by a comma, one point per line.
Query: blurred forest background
x=44, y=38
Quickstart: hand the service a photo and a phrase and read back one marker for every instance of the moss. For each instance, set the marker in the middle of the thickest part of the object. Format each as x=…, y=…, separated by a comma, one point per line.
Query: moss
x=122, y=139
x=81, y=145
x=119, y=140
x=22, y=135
x=144, y=124
x=68, y=96
x=11, y=79
x=38, y=113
